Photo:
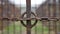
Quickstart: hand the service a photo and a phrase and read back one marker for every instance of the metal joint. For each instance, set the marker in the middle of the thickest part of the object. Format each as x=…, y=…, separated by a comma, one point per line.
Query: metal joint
x=28, y=19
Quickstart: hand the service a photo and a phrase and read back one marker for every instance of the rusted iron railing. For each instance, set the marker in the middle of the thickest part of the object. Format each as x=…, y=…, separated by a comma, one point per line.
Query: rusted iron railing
x=48, y=19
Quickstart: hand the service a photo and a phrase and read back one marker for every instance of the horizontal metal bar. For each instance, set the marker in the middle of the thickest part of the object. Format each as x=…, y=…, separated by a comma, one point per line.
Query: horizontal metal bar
x=36, y=18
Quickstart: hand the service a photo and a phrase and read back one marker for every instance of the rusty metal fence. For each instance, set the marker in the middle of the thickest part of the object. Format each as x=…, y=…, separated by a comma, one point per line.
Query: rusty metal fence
x=45, y=19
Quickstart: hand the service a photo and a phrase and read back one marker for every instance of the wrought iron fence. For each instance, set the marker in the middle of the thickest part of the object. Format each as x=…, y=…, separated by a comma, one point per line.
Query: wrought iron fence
x=43, y=20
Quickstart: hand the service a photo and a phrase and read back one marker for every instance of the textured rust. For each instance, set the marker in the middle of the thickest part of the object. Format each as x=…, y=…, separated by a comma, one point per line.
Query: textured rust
x=28, y=10
x=28, y=19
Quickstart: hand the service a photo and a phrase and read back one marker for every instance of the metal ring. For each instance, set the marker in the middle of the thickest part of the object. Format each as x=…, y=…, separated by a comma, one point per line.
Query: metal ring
x=26, y=13
x=29, y=19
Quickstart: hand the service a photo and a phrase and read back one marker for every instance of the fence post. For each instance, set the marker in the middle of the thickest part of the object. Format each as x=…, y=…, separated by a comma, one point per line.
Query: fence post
x=28, y=10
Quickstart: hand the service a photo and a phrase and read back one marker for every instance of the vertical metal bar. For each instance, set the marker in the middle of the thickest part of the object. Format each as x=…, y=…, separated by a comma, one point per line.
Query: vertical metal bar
x=55, y=25
x=7, y=23
x=7, y=3
x=57, y=8
x=49, y=28
x=49, y=17
x=2, y=16
x=54, y=9
x=54, y=16
x=2, y=27
x=20, y=16
x=59, y=26
x=14, y=17
x=59, y=17
x=28, y=10
x=42, y=27
x=14, y=27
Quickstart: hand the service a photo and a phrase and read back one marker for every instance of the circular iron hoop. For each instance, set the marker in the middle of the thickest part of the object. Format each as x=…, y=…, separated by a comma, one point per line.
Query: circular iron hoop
x=29, y=19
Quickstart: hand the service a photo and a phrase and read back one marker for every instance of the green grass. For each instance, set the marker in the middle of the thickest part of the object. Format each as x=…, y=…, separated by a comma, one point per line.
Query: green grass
x=20, y=28
x=39, y=28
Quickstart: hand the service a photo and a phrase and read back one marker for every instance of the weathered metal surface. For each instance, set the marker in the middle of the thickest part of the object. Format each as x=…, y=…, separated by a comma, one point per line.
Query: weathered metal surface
x=28, y=13
x=46, y=13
